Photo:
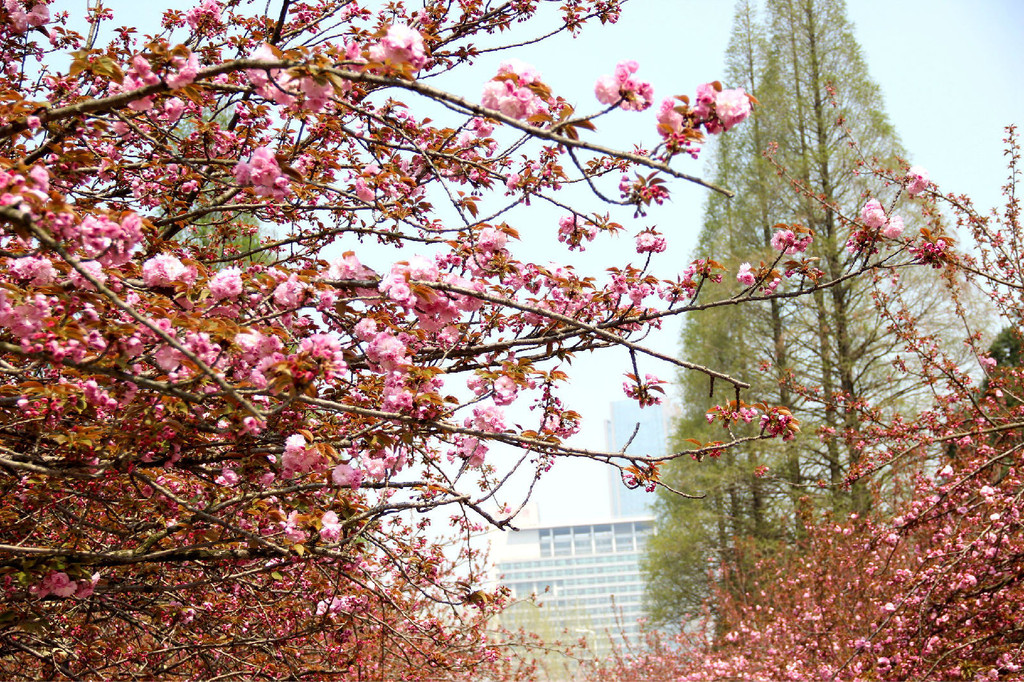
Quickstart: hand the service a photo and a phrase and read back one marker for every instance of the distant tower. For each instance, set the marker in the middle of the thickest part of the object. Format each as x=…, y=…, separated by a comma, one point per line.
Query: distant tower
x=651, y=439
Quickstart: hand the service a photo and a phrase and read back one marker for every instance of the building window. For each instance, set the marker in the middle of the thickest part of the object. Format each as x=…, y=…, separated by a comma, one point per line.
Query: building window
x=581, y=543
x=624, y=537
x=563, y=542
x=545, y=542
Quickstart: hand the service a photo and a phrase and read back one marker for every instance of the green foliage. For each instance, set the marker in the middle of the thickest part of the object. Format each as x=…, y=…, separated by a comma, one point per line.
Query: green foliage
x=1006, y=348
x=806, y=70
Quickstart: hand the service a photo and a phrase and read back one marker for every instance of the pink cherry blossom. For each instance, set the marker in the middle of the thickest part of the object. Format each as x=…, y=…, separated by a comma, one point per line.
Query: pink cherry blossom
x=36, y=268
x=872, y=214
x=622, y=88
x=207, y=13
x=787, y=242
x=917, y=180
x=470, y=449
x=732, y=107
x=510, y=94
x=401, y=45
x=330, y=527
x=21, y=21
x=893, y=228
x=60, y=584
x=745, y=276
x=226, y=284
x=669, y=117
x=164, y=270
x=263, y=174
x=346, y=476
x=228, y=477
x=290, y=293
x=649, y=241
x=187, y=68
x=491, y=240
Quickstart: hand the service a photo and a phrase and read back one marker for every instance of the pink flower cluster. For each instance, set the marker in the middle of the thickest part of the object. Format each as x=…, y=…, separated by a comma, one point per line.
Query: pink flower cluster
x=477, y=128
x=917, y=180
x=347, y=267
x=282, y=88
x=873, y=215
x=650, y=241
x=226, y=284
x=26, y=319
x=36, y=268
x=187, y=69
x=290, y=293
x=206, y=14
x=504, y=388
x=20, y=21
x=400, y=45
x=140, y=74
x=330, y=527
x=58, y=583
x=298, y=458
x=509, y=92
x=787, y=242
x=470, y=449
x=745, y=275
x=258, y=353
x=326, y=349
x=716, y=109
x=488, y=418
x=164, y=270
x=780, y=422
x=385, y=350
x=110, y=242
x=573, y=231
x=932, y=253
x=647, y=392
x=720, y=109
x=346, y=476
x=262, y=173
x=622, y=88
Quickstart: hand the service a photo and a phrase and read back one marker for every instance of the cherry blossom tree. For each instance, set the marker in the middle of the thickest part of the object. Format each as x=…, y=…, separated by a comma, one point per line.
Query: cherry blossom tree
x=259, y=315
x=264, y=319
x=929, y=583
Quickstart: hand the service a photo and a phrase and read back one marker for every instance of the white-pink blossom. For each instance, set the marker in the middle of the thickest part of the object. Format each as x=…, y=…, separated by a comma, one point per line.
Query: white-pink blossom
x=164, y=270
x=226, y=284
x=400, y=45
x=621, y=87
x=872, y=214
x=745, y=275
x=893, y=228
x=509, y=91
x=263, y=174
x=330, y=527
x=732, y=107
x=917, y=180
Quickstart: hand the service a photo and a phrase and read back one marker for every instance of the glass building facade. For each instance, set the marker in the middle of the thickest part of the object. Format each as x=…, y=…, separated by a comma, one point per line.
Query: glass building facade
x=586, y=578
x=651, y=439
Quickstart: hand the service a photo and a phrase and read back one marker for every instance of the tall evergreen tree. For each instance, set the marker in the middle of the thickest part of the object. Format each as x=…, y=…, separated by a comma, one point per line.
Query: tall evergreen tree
x=802, y=63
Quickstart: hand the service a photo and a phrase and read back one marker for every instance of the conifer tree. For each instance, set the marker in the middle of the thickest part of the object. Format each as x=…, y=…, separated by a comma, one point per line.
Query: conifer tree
x=820, y=118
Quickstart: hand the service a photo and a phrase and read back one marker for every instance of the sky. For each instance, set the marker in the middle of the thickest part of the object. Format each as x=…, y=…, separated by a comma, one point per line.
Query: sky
x=950, y=76
x=950, y=79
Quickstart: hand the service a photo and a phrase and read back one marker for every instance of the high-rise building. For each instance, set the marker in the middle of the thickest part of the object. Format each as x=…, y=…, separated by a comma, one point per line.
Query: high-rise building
x=651, y=439
x=586, y=575
x=586, y=578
